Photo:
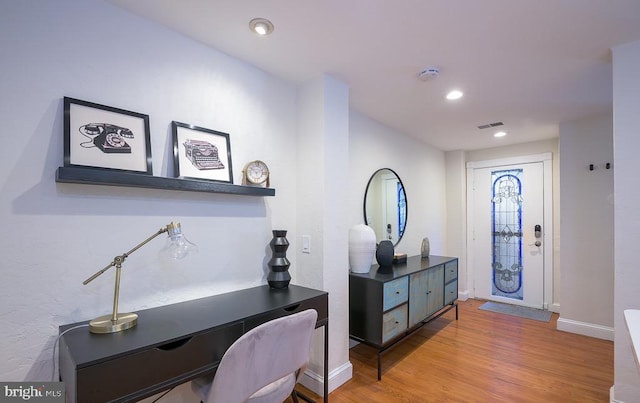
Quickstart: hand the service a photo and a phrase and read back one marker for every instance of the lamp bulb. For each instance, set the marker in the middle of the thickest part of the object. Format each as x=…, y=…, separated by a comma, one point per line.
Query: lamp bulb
x=177, y=245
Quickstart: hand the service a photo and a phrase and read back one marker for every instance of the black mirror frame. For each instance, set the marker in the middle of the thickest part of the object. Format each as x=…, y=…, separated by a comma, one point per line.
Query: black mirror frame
x=366, y=192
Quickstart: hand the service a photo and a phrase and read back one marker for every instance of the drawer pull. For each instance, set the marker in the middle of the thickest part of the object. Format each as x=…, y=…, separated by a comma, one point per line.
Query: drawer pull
x=292, y=308
x=174, y=344
x=397, y=292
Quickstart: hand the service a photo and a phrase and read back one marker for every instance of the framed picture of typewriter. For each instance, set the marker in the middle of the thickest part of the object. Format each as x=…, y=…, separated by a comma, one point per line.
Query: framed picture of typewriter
x=201, y=153
x=100, y=136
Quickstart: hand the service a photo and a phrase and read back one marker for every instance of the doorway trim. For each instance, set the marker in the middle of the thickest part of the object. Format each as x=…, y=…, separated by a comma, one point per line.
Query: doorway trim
x=547, y=162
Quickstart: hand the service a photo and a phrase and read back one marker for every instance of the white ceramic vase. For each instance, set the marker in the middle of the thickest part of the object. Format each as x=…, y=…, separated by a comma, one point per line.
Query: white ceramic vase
x=362, y=248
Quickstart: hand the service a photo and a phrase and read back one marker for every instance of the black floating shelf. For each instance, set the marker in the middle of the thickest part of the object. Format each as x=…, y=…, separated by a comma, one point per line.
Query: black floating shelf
x=92, y=176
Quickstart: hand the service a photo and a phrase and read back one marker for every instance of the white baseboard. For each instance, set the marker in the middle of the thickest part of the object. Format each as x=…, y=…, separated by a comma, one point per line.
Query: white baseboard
x=612, y=396
x=586, y=329
x=337, y=377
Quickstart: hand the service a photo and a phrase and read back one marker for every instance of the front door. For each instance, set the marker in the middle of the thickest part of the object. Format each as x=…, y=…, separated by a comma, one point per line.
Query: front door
x=507, y=232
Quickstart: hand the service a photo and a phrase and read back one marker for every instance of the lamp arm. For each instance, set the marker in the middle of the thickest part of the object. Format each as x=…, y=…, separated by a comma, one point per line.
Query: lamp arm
x=118, y=260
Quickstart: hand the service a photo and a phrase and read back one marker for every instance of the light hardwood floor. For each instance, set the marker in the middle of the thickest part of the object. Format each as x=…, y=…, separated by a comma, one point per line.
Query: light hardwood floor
x=483, y=357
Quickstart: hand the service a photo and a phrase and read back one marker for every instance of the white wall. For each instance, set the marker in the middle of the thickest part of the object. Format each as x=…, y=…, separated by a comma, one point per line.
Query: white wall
x=420, y=167
x=586, y=203
x=59, y=234
x=322, y=154
x=457, y=216
x=626, y=143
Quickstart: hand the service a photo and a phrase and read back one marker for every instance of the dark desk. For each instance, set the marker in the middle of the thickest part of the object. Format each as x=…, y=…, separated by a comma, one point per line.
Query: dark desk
x=175, y=343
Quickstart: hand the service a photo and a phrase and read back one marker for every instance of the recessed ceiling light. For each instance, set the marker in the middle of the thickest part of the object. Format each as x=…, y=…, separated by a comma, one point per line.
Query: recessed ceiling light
x=454, y=94
x=261, y=26
x=499, y=134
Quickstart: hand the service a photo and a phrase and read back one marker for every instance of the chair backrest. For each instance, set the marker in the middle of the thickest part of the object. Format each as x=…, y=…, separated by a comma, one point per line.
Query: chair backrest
x=262, y=356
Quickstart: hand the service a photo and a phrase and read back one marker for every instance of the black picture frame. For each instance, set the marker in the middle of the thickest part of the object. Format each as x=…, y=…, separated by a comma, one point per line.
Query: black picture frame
x=201, y=153
x=104, y=137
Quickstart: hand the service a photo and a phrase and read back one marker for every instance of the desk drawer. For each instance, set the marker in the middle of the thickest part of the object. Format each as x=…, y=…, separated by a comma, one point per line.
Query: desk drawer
x=395, y=293
x=320, y=304
x=148, y=368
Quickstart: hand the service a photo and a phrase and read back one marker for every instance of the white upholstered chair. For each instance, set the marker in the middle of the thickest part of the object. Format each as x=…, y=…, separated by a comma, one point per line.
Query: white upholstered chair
x=264, y=364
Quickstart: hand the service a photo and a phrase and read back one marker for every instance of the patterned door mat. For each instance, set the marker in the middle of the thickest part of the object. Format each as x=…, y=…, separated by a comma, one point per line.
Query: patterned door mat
x=514, y=310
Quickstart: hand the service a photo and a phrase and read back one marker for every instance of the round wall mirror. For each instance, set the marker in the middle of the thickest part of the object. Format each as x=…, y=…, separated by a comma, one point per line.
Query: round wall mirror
x=385, y=205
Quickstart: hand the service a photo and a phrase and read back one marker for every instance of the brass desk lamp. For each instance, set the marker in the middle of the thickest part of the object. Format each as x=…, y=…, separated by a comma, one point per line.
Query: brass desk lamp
x=177, y=247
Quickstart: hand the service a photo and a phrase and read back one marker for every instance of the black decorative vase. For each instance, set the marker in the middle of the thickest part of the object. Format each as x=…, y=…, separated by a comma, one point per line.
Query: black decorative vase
x=384, y=255
x=279, y=276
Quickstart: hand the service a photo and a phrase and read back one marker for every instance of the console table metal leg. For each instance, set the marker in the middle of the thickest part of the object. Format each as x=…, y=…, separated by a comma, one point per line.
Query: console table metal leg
x=379, y=366
x=456, y=311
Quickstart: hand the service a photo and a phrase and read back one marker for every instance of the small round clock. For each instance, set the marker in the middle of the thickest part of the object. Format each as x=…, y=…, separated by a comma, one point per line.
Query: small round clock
x=256, y=173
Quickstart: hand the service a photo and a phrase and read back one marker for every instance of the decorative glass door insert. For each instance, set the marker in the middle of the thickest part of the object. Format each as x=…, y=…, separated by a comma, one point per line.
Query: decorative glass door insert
x=402, y=210
x=506, y=205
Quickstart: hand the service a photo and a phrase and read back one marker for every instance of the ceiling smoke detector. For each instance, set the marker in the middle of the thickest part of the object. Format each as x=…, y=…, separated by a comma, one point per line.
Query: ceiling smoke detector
x=428, y=73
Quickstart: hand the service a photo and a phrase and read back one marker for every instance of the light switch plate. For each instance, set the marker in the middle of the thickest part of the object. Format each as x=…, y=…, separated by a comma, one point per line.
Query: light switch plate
x=306, y=244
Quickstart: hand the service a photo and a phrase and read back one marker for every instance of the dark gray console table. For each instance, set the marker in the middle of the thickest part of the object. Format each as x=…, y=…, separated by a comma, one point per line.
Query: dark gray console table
x=386, y=306
x=175, y=343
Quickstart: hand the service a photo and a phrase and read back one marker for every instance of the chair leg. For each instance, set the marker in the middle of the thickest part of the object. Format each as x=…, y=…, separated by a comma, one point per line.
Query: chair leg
x=294, y=396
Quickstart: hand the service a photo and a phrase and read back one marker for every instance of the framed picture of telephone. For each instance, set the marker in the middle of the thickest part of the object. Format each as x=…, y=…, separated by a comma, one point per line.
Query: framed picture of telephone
x=201, y=153
x=100, y=136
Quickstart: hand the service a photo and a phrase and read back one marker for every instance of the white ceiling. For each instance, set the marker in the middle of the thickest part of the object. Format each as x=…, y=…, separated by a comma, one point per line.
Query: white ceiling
x=528, y=63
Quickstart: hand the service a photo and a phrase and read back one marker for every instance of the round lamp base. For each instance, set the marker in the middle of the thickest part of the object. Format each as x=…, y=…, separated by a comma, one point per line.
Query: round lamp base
x=104, y=324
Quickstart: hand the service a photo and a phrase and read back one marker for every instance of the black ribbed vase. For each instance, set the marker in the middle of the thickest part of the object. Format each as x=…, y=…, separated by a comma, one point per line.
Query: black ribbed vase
x=279, y=276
